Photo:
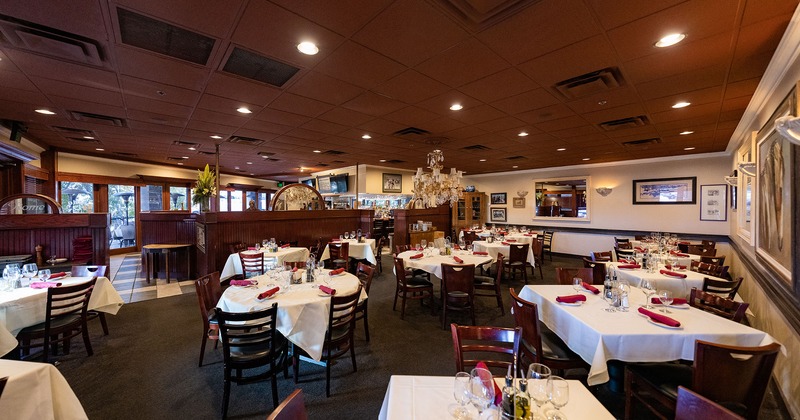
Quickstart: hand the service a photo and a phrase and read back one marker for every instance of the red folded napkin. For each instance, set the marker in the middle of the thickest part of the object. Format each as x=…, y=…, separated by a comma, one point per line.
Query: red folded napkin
x=44, y=284
x=669, y=267
x=480, y=253
x=498, y=394
x=335, y=272
x=335, y=239
x=252, y=248
x=242, y=282
x=571, y=298
x=506, y=243
x=672, y=274
x=286, y=245
x=660, y=318
x=626, y=261
x=417, y=256
x=455, y=246
x=294, y=269
x=684, y=242
x=327, y=289
x=458, y=260
x=629, y=266
x=58, y=275
x=678, y=254
x=638, y=248
x=675, y=301
x=267, y=293
x=590, y=288
x=511, y=240
x=527, y=234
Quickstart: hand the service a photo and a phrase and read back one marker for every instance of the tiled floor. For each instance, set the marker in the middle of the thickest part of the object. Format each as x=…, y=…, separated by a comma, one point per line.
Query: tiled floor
x=128, y=279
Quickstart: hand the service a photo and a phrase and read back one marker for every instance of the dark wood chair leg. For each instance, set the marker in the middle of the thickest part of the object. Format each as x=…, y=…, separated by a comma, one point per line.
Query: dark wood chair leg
x=226, y=394
x=86, y=341
x=403, y=306
x=103, y=323
x=203, y=348
x=366, y=323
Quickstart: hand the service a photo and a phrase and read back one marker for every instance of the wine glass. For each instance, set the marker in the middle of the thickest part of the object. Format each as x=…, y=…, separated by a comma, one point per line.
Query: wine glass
x=10, y=277
x=558, y=394
x=28, y=272
x=44, y=274
x=648, y=288
x=576, y=284
x=423, y=243
x=481, y=389
x=538, y=377
x=665, y=296
x=461, y=391
x=624, y=292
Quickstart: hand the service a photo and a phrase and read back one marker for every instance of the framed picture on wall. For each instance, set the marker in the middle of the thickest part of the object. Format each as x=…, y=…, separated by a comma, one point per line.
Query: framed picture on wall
x=665, y=191
x=392, y=183
x=519, y=202
x=714, y=202
x=498, y=198
x=497, y=214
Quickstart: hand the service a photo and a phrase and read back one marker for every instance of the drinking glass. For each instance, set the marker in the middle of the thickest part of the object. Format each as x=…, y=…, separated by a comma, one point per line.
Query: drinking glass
x=481, y=389
x=417, y=247
x=665, y=296
x=423, y=243
x=461, y=391
x=558, y=394
x=352, y=234
x=648, y=288
x=11, y=276
x=44, y=274
x=576, y=284
x=28, y=272
x=613, y=300
x=624, y=292
x=538, y=377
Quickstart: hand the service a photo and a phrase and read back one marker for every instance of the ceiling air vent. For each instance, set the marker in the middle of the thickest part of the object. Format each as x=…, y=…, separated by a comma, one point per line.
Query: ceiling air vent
x=48, y=41
x=515, y=157
x=206, y=152
x=435, y=141
x=590, y=83
x=161, y=37
x=83, y=140
x=97, y=119
x=176, y=158
x=478, y=15
x=476, y=147
x=250, y=141
x=333, y=152
x=323, y=165
x=272, y=160
x=256, y=67
x=393, y=161
x=641, y=143
x=74, y=131
x=126, y=154
x=186, y=144
x=338, y=161
x=411, y=131
x=624, y=123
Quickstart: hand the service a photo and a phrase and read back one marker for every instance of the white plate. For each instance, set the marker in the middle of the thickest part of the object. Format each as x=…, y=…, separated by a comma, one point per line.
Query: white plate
x=59, y=260
x=578, y=303
x=337, y=275
x=682, y=306
x=650, y=320
x=322, y=294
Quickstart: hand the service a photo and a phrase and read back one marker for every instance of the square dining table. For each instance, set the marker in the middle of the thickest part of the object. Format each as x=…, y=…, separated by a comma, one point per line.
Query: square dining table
x=598, y=336
x=358, y=250
x=233, y=266
x=431, y=262
x=497, y=247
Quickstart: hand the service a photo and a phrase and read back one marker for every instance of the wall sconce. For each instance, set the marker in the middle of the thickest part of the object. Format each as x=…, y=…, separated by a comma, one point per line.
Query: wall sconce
x=789, y=127
x=604, y=191
x=748, y=168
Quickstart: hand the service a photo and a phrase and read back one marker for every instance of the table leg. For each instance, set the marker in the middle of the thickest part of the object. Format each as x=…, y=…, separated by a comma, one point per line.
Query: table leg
x=147, y=264
x=166, y=253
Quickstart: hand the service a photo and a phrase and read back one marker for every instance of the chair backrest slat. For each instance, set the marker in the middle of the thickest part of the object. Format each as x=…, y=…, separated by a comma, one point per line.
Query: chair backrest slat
x=718, y=305
x=501, y=343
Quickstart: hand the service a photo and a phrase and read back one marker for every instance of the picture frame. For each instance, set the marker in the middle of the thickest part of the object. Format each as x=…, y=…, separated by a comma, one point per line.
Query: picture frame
x=392, y=183
x=498, y=214
x=714, y=202
x=518, y=202
x=498, y=198
x=665, y=191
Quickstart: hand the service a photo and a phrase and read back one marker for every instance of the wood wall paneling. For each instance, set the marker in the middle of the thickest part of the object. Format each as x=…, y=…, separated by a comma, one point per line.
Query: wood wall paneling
x=19, y=234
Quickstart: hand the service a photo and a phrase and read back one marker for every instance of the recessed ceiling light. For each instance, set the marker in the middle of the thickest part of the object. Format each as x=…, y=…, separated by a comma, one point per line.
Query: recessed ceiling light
x=603, y=102
x=317, y=151
x=515, y=166
x=456, y=107
x=180, y=163
x=235, y=167
x=88, y=137
x=184, y=157
x=100, y=149
x=482, y=160
x=216, y=137
x=249, y=163
x=307, y=48
x=681, y=105
x=45, y=111
x=585, y=159
x=683, y=133
x=382, y=160
x=688, y=148
x=244, y=110
x=265, y=156
x=561, y=149
x=523, y=134
x=670, y=40
x=302, y=170
x=252, y=174
x=192, y=148
x=366, y=137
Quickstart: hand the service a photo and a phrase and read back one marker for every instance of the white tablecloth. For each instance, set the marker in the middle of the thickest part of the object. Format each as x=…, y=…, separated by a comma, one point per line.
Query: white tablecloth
x=522, y=238
x=428, y=397
x=678, y=286
x=233, y=266
x=433, y=264
x=24, y=307
x=358, y=250
x=497, y=247
x=599, y=336
x=37, y=391
x=302, y=310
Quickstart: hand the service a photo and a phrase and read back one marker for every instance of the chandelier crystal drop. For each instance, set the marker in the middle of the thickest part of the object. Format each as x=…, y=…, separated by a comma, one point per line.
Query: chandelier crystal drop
x=435, y=188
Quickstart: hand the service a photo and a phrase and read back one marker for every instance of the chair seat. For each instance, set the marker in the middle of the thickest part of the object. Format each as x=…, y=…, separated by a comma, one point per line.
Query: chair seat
x=55, y=324
x=339, y=333
x=457, y=295
x=484, y=281
x=418, y=282
x=666, y=377
x=514, y=263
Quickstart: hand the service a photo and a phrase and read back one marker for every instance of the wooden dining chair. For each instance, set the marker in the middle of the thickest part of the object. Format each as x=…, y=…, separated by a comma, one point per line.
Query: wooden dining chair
x=718, y=305
x=623, y=253
x=252, y=263
x=364, y=272
x=708, y=244
x=470, y=237
x=693, y=406
x=604, y=256
x=490, y=287
x=708, y=269
x=458, y=290
x=547, y=244
x=537, y=247
x=338, y=337
x=539, y=344
x=339, y=254
x=92, y=271
x=598, y=270
x=237, y=247
x=292, y=408
x=701, y=250
x=565, y=275
x=379, y=252
x=208, y=291
x=744, y=371
x=495, y=346
x=249, y=341
x=727, y=288
x=517, y=261
x=65, y=318
x=715, y=260
x=410, y=287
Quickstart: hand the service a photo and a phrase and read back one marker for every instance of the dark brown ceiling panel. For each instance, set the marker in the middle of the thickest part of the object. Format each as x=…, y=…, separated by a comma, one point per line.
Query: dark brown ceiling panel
x=163, y=38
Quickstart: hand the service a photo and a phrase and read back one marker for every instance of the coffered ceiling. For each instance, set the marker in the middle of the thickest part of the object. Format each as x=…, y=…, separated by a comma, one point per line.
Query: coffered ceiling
x=146, y=80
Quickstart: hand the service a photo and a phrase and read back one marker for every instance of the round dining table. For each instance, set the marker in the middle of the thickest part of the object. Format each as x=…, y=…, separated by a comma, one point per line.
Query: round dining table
x=302, y=308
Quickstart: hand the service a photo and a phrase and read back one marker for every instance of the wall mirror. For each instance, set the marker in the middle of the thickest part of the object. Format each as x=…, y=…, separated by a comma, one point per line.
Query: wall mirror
x=297, y=197
x=562, y=198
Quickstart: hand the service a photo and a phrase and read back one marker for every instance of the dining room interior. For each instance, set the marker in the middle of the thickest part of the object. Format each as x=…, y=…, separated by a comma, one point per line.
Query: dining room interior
x=605, y=191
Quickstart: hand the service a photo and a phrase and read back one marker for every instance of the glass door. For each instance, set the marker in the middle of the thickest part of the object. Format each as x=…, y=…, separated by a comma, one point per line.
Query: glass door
x=122, y=211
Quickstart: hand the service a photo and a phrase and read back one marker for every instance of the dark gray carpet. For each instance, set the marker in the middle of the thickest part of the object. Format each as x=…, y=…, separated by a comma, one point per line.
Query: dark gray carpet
x=147, y=366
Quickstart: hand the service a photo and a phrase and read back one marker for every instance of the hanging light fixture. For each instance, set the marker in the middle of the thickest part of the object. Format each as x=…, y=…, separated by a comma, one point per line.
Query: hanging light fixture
x=435, y=188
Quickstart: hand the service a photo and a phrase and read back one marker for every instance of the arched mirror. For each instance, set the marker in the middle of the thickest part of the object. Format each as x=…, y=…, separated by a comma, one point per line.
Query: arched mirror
x=297, y=197
x=29, y=204
x=562, y=198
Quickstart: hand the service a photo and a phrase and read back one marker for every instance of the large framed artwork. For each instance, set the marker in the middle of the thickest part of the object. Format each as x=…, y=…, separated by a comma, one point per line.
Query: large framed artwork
x=498, y=198
x=392, y=183
x=665, y=191
x=714, y=202
x=497, y=214
x=774, y=186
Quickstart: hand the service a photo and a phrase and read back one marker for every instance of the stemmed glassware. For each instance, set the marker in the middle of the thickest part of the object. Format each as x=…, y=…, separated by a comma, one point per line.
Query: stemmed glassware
x=11, y=275
x=28, y=272
x=423, y=243
x=665, y=296
x=649, y=289
x=481, y=389
x=44, y=275
x=461, y=391
x=576, y=284
x=538, y=378
x=613, y=300
x=558, y=394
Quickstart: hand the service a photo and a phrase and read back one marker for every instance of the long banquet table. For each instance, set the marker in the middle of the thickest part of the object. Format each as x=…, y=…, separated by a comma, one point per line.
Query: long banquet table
x=358, y=250
x=24, y=307
x=302, y=309
x=37, y=391
x=599, y=336
x=428, y=397
x=233, y=266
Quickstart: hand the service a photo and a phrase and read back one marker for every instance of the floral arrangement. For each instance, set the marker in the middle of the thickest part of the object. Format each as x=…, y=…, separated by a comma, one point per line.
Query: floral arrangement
x=205, y=187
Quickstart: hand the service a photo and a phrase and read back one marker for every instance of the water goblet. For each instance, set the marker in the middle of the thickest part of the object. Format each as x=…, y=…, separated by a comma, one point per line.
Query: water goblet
x=11, y=274
x=648, y=288
x=44, y=274
x=538, y=377
x=665, y=296
x=423, y=243
x=558, y=394
x=613, y=300
x=624, y=292
x=576, y=284
x=481, y=389
x=461, y=392
x=28, y=272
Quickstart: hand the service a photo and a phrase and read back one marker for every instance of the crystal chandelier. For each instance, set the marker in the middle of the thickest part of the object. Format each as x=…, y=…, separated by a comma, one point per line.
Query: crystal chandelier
x=435, y=188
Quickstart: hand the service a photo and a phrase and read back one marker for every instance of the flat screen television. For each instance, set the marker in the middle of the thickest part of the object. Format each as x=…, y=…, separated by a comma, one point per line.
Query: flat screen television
x=311, y=182
x=336, y=184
